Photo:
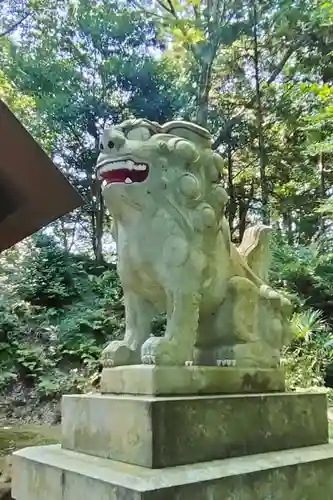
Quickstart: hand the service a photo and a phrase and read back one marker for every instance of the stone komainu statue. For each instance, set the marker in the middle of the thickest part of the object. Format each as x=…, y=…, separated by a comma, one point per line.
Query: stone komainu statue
x=162, y=187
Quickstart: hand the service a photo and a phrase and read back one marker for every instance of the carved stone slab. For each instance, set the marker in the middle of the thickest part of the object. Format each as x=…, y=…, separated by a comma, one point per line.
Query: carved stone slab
x=185, y=380
x=161, y=432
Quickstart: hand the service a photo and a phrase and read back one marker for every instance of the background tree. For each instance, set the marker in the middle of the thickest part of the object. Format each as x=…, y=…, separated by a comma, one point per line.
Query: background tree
x=86, y=67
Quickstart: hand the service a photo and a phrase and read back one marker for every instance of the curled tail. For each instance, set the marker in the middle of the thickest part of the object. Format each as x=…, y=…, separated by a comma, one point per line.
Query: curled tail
x=254, y=249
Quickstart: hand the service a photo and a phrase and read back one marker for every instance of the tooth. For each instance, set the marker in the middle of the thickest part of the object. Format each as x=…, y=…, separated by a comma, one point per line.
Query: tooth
x=104, y=183
x=140, y=167
x=104, y=169
x=128, y=180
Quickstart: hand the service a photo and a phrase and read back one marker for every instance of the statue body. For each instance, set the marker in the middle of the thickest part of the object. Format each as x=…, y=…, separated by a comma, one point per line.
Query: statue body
x=175, y=255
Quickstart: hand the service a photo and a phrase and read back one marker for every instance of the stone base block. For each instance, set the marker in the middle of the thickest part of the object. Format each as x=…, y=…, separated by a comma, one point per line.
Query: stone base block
x=186, y=380
x=168, y=431
x=51, y=473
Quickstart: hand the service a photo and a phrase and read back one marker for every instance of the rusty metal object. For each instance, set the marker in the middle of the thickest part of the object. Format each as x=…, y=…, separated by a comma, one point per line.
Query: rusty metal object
x=33, y=191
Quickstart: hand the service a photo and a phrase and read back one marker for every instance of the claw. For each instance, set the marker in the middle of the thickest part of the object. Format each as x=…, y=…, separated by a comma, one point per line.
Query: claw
x=219, y=362
x=188, y=363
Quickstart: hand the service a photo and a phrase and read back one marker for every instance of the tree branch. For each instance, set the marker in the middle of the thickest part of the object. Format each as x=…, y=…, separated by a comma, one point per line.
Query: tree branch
x=284, y=61
x=196, y=12
x=168, y=6
x=172, y=9
x=15, y=25
x=225, y=131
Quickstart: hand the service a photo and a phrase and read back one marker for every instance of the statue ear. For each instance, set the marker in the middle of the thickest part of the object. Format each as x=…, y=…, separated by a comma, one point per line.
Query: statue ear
x=189, y=131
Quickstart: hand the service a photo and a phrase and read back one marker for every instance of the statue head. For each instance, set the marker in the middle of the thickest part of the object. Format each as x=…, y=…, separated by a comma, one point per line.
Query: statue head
x=142, y=162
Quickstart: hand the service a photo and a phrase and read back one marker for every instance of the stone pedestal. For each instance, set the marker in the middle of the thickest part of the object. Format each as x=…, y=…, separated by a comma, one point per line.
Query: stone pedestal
x=242, y=446
x=164, y=432
x=177, y=380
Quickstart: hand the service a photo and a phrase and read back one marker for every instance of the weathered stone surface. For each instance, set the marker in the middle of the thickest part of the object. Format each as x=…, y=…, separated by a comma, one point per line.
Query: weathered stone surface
x=173, y=380
x=56, y=474
x=175, y=254
x=167, y=431
x=5, y=491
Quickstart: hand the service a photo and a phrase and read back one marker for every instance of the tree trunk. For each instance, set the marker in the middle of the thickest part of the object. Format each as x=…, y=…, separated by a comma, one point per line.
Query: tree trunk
x=97, y=223
x=232, y=206
x=244, y=204
x=203, y=94
x=321, y=168
x=97, y=218
x=64, y=235
x=242, y=217
x=288, y=225
x=259, y=121
x=99, y=226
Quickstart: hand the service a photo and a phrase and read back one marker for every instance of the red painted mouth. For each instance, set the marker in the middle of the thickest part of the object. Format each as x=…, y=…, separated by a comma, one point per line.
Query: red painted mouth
x=122, y=171
x=124, y=175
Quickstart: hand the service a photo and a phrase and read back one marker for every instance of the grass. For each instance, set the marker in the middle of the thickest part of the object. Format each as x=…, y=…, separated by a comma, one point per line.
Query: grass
x=17, y=437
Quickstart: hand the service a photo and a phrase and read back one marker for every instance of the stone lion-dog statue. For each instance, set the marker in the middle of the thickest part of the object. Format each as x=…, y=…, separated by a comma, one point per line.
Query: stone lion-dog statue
x=162, y=186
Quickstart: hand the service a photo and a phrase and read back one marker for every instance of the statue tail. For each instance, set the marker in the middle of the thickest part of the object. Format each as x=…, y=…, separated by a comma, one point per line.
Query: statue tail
x=255, y=250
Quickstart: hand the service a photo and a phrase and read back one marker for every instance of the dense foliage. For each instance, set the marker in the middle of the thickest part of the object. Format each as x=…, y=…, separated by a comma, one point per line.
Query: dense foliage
x=56, y=315
x=257, y=73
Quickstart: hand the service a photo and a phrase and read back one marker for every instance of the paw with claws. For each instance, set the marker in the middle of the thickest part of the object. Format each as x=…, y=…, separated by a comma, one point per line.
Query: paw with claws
x=226, y=362
x=161, y=351
x=118, y=353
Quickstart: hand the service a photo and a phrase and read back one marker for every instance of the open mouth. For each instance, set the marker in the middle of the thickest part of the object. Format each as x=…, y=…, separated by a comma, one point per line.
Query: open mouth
x=125, y=171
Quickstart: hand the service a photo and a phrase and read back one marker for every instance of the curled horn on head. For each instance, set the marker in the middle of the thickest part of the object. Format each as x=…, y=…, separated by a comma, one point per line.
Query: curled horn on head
x=153, y=127
x=189, y=131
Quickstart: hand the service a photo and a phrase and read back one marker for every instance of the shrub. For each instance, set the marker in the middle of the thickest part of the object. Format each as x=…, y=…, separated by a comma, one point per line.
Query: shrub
x=55, y=319
x=48, y=275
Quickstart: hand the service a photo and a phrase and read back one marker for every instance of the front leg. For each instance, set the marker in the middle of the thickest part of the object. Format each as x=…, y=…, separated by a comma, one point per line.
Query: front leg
x=138, y=317
x=176, y=347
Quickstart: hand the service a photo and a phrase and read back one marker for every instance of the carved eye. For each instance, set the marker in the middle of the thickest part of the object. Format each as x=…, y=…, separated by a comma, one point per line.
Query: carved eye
x=101, y=146
x=110, y=144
